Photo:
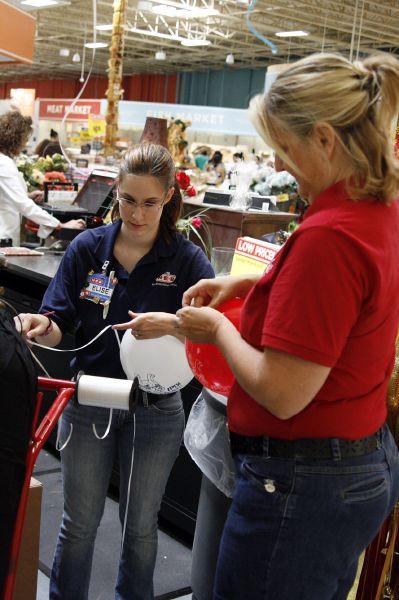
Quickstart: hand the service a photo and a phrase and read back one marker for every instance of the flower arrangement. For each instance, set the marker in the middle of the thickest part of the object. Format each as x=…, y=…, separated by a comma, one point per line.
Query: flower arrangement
x=38, y=170
x=192, y=223
x=184, y=182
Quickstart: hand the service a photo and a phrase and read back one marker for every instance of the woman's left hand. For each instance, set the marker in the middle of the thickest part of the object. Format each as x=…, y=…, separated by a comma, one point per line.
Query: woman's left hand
x=150, y=325
x=200, y=325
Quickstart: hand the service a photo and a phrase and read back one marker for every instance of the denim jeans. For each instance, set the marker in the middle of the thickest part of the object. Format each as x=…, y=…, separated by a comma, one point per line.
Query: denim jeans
x=296, y=528
x=86, y=469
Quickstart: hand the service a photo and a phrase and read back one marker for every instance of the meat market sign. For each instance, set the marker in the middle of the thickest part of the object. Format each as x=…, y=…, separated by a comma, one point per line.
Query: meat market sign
x=56, y=109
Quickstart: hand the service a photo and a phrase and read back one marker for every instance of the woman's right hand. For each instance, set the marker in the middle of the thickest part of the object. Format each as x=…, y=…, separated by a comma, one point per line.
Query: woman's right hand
x=31, y=325
x=212, y=292
x=74, y=224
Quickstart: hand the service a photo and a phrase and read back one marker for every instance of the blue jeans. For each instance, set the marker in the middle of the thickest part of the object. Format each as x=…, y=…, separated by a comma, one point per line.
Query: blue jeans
x=296, y=528
x=86, y=469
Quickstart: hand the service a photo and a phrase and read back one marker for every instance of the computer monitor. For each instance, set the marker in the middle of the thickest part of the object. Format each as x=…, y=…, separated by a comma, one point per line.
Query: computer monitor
x=96, y=195
x=94, y=198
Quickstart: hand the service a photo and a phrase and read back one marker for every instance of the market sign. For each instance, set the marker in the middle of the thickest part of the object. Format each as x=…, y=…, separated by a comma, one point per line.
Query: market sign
x=56, y=109
x=233, y=121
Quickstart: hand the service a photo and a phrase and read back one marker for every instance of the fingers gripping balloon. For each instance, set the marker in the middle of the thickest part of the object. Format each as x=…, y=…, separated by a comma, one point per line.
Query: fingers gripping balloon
x=207, y=362
x=159, y=364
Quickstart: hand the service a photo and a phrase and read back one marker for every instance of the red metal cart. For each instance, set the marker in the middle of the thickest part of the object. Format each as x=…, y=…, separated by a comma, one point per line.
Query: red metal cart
x=40, y=434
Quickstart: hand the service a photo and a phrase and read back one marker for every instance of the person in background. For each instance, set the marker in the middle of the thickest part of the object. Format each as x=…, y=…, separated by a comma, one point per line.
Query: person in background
x=153, y=265
x=51, y=149
x=317, y=467
x=40, y=149
x=215, y=169
x=15, y=201
x=201, y=158
x=238, y=157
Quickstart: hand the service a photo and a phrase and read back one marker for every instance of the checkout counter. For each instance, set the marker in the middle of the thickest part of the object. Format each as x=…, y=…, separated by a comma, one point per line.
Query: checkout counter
x=23, y=281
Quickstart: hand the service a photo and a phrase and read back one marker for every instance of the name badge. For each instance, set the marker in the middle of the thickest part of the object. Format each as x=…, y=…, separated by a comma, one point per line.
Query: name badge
x=99, y=288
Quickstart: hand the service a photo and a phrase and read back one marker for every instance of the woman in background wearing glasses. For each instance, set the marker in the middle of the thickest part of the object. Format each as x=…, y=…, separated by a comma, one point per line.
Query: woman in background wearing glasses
x=153, y=266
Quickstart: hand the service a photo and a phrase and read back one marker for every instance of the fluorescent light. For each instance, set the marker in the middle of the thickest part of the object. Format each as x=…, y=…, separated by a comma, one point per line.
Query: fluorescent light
x=230, y=59
x=105, y=27
x=164, y=10
x=192, y=13
x=166, y=36
x=96, y=45
x=144, y=5
x=39, y=3
x=299, y=33
x=76, y=57
x=160, y=55
x=195, y=42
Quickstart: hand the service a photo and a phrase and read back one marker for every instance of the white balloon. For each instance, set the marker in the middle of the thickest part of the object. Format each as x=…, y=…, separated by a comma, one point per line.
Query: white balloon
x=160, y=364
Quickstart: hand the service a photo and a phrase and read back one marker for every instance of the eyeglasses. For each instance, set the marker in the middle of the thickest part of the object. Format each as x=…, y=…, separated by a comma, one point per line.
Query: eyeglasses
x=149, y=206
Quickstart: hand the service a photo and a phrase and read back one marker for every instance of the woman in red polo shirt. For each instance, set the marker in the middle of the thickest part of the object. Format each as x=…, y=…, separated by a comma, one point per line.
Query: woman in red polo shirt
x=318, y=470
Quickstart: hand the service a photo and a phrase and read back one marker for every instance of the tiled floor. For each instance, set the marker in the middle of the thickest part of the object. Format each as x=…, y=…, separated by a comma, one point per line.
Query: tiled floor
x=170, y=551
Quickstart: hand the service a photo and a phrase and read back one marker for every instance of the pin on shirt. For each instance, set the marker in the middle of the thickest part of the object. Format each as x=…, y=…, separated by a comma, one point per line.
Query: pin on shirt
x=99, y=288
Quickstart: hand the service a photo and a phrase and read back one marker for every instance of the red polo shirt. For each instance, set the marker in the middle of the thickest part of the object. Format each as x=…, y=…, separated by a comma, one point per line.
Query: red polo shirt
x=330, y=297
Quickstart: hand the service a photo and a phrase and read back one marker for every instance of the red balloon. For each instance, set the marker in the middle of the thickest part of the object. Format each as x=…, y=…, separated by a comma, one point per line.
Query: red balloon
x=207, y=362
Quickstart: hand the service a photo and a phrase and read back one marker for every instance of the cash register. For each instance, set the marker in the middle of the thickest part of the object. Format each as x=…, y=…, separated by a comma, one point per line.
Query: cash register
x=91, y=203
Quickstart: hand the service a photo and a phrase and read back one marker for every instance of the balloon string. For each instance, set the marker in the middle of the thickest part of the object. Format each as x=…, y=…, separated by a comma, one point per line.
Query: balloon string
x=76, y=349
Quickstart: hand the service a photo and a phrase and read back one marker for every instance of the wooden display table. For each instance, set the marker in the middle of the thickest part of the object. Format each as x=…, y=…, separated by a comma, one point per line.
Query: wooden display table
x=227, y=224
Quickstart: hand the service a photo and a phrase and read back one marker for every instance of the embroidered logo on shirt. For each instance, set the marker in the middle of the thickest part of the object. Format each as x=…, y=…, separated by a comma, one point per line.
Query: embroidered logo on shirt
x=165, y=279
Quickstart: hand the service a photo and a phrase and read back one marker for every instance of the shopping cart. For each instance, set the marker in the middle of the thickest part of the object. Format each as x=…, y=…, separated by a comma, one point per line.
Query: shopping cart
x=39, y=436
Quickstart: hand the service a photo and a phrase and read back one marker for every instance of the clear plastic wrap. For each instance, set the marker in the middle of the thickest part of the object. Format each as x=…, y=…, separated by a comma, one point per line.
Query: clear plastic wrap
x=207, y=441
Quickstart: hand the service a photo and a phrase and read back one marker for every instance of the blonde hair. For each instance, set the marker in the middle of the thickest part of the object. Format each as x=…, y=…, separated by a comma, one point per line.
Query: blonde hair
x=359, y=100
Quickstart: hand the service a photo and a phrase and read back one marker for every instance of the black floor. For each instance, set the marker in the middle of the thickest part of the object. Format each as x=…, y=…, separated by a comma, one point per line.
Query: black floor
x=172, y=571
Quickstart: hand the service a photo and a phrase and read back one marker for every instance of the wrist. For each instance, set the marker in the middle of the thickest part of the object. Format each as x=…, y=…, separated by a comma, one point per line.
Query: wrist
x=49, y=328
x=223, y=328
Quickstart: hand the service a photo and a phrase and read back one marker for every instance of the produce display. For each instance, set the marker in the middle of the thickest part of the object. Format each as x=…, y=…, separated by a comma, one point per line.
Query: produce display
x=38, y=170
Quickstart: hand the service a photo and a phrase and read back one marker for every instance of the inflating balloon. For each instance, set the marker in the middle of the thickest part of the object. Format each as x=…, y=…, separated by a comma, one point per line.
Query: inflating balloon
x=160, y=364
x=207, y=362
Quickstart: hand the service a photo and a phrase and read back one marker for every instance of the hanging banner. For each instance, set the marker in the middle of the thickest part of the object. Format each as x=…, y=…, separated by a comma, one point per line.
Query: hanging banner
x=56, y=109
x=232, y=121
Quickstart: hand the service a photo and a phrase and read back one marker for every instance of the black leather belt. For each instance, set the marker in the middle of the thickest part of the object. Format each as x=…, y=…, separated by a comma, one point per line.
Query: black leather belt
x=154, y=398
x=303, y=448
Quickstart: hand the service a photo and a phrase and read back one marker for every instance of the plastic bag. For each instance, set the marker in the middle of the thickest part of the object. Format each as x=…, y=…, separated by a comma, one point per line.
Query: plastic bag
x=206, y=439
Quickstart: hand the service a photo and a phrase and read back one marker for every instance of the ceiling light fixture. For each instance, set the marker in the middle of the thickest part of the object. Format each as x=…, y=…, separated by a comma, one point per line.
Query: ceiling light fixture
x=195, y=42
x=160, y=55
x=299, y=33
x=144, y=5
x=166, y=36
x=164, y=9
x=39, y=3
x=105, y=27
x=96, y=45
x=230, y=59
x=195, y=12
x=76, y=57
x=64, y=52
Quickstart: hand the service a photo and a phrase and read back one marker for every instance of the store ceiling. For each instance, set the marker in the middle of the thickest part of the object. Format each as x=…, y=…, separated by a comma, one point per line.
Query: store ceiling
x=337, y=26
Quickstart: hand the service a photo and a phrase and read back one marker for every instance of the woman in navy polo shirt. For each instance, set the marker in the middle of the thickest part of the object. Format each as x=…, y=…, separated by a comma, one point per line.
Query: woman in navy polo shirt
x=153, y=265
x=318, y=470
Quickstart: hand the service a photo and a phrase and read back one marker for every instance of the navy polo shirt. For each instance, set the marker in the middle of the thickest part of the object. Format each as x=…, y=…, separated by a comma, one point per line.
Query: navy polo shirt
x=157, y=283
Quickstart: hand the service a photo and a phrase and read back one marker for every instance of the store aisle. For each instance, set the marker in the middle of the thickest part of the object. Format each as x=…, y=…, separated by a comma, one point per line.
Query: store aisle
x=172, y=571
